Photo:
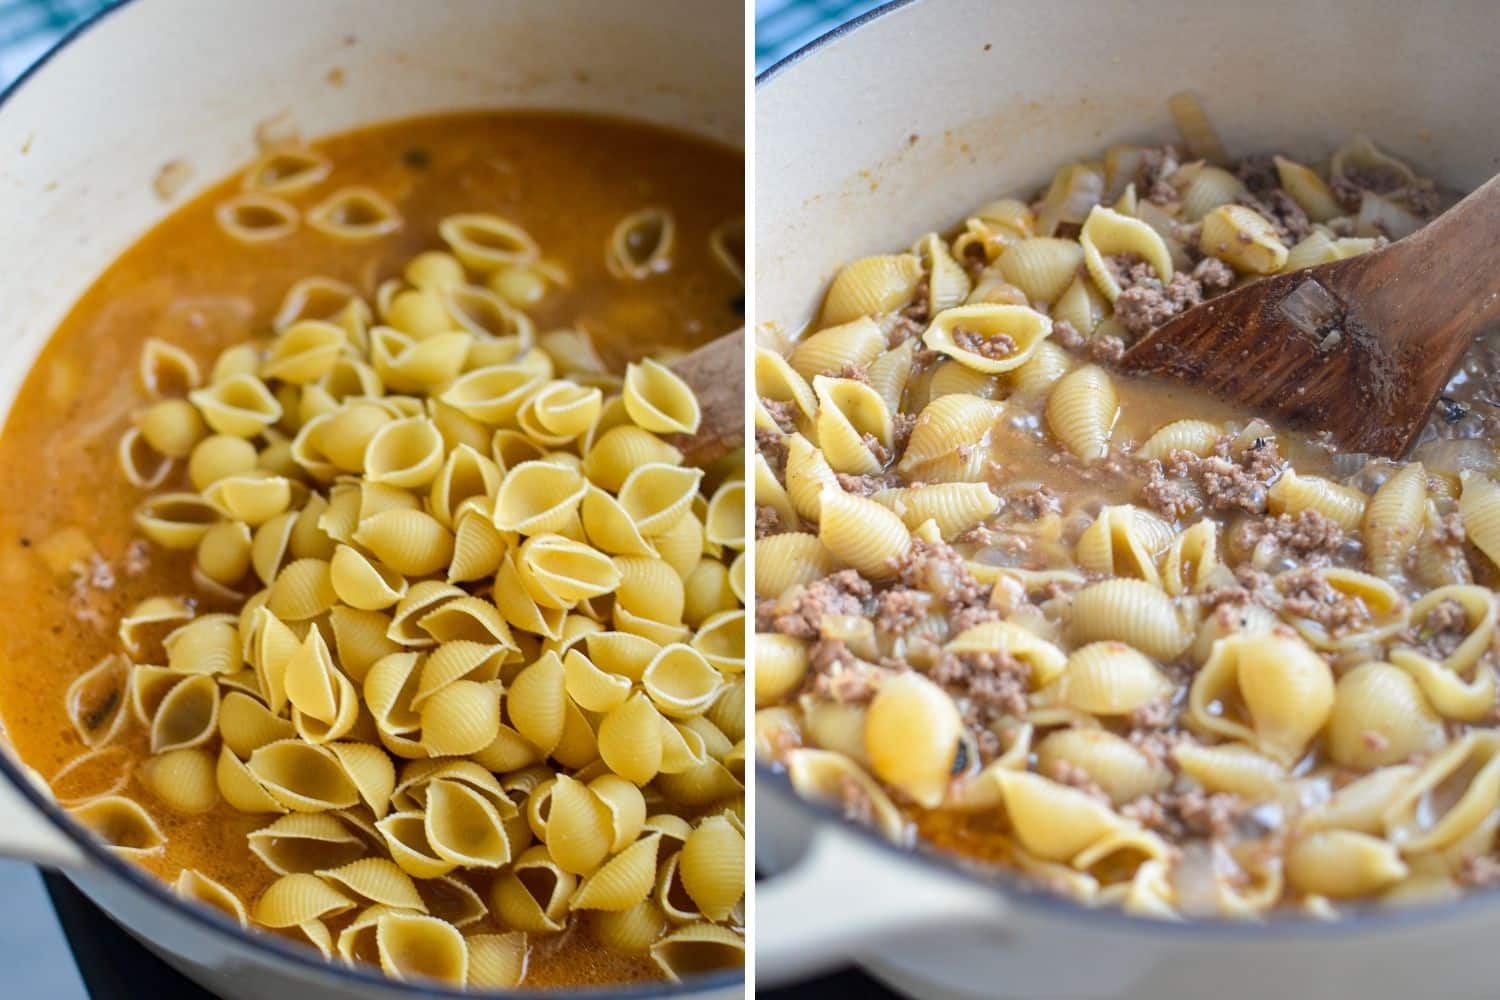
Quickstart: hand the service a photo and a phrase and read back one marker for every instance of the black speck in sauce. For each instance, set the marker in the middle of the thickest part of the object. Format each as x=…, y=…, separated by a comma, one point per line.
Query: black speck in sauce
x=1453, y=410
x=416, y=158
x=738, y=305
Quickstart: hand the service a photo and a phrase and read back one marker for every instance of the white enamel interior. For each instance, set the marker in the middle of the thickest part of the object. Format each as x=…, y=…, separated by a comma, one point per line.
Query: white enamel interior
x=83, y=137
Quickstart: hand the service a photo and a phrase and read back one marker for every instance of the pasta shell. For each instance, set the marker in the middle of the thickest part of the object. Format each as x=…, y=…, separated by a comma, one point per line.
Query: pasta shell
x=1132, y=612
x=122, y=824
x=1081, y=411
x=911, y=736
x=862, y=534
x=183, y=779
x=1107, y=233
x=410, y=542
x=1110, y=678
x=1380, y=717
x=658, y=400
x=857, y=342
x=870, y=286
x=988, y=338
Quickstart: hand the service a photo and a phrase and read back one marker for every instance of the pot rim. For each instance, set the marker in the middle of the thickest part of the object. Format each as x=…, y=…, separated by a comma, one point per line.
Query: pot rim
x=1011, y=884
x=210, y=919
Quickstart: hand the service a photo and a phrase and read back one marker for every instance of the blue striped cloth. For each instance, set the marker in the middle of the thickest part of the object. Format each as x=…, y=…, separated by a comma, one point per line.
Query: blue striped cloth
x=29, y=28
x=784, y=26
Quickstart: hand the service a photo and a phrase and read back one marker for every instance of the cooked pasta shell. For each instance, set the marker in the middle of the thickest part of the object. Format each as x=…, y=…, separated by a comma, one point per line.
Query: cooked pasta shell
x=1479, y=506
x=183, y=779
x=303, y=777
x=712, y=867
x=989, y=338
x=1243, y=239
x=863, y=534
x=1232, y=768
x=187, y=715
x=1209, y=188
x=658, y=400
x=93, y=773
x=1132, y=612
x=1379, y=717
x=632, y=930
x=698, y=948
x=240, y=406
x=1107, y=233
x=1042, y=266
x=253, y=217
x=298, y=899
x=122, y=823
x=303, y=589
x=193, y=885
x=621, y=450
x=624, y=881
x=461, y=718
x=1342, y=864
x=1081, y=411
x=96, y=700
x=167, y=370
x=410, y=542
x=1124, y=541
x=578, y=833
x=911, y=736
x=870, y=286
x=1110, y=678
x=680, y=681
x=1286, y=689
x=1293, y=493
x=240, y=787
x=656, y=496
x=354, y=213
x=537, y=903
x=463, y=827
x=175, y=520
x=538, y=496
x=855, y=343
x=245, y=724
x=1451, y=796
x=1196, y=436
x=1307, y=189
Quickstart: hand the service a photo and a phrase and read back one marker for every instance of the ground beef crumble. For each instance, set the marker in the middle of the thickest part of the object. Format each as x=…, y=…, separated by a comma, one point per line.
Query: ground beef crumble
x=1105, y=350
x=878, y=450
x=937, y=568
x=1195, y=813
x=1066, y=336
x=783, y=412
x=866, y=486
x=902, y=425
x=1307, y=536
x=1066, y=772
x=773, y=446
x=987, y=688
x=1282, y=212
x=767, y=521
x=842, y=593
x=1146, y=302
x=1157, y=165
x=1258, y=172
x=899, y=609
x=855, y=373
x=995, y=347
x=1168, y=497
x=1228, y=482
x=1442, y=631
x=1033, y=504
x=1306, y=593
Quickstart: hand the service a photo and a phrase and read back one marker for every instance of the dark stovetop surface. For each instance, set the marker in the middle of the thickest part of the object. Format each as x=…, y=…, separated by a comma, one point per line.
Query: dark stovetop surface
x=115, y=967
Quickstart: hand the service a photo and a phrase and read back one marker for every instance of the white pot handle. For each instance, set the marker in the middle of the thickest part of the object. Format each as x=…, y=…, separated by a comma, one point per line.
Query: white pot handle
x=845, y=896
x=27, y=835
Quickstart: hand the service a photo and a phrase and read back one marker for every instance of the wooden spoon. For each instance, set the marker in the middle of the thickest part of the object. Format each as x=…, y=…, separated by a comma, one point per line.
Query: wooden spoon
x=1360, y=348
x=716, y=372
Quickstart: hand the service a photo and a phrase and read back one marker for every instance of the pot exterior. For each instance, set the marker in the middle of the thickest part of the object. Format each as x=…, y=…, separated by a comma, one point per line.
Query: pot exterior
x=155, y=81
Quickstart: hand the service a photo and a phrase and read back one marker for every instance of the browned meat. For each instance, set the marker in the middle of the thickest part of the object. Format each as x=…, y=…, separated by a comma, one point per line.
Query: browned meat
x=781, y=411
x=767, y=521
x=1307, y=535
x=842, y=593
x=900, y=608
x=994, y=347
x=1306, y=593
x=1168, y=497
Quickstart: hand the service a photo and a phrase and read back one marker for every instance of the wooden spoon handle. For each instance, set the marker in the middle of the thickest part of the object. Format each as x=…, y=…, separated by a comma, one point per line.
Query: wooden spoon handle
x=1435, y=290
x=716, y=372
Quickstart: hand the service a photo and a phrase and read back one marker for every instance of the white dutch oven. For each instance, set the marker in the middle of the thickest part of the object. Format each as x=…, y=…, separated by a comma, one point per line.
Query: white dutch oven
x=81, y=138
x=899, y=124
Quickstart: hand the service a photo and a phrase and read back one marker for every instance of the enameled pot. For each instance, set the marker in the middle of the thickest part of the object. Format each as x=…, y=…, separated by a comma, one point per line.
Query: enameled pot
x=151, y=81
x=899, y=124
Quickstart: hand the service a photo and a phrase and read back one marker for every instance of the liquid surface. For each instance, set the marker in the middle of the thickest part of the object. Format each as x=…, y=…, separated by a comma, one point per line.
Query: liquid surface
x=566, y=179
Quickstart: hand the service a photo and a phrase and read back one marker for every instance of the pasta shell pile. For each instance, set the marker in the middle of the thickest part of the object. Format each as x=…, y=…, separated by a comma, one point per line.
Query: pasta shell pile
x=480, y=663
x=1072, y=681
